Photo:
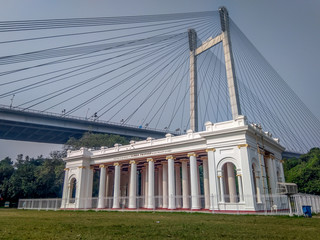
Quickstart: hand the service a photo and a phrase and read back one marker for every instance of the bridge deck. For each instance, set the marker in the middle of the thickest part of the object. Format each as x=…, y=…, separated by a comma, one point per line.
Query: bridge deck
x=35, y=126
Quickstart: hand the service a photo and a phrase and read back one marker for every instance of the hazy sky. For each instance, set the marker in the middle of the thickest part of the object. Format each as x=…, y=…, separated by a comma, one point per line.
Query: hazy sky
x=286, y=32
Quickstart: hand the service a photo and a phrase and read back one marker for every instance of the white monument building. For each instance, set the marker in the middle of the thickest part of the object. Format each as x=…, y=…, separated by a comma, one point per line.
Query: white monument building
x=231, y=166
x=240, y=167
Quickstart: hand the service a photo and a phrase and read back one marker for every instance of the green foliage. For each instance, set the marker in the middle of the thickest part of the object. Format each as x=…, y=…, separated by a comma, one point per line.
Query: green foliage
x=43, y=177
x=91, y=140
x=305, y=171
x=6, y=170
x=31, y=177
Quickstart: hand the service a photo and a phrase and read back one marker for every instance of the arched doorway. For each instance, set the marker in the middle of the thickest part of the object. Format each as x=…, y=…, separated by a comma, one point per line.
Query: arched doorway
x=231, y=183
x=73, y=190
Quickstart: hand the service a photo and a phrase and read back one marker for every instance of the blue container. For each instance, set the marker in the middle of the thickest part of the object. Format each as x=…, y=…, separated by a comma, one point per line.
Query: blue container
x=307, y=211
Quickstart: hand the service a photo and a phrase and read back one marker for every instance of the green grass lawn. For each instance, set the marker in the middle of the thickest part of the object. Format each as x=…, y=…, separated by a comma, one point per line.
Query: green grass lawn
x=32, y=224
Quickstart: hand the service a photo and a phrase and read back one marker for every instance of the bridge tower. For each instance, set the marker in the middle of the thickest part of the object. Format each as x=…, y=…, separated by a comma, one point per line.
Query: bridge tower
x=224, y=37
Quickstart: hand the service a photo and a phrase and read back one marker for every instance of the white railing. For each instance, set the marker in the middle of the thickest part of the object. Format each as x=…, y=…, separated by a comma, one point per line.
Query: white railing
x=40, y=204
x=269, y=205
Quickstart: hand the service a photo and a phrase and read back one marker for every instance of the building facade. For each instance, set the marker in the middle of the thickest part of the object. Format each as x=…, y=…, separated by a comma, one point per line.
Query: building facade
x=231, y=166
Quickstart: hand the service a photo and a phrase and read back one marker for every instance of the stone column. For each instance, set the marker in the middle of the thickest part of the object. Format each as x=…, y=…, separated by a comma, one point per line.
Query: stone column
x=108, y=187
x=199, y=187
x=171, y=184
x=165, y=184
x=185, y=185
x=156, y=191
x=247, y=181
x=189, y=184
x=89, y=182
x=146, y=183
x=258, y=187
x=178, y=185
x=65, y=197
x=160, y=183
x=143, y=172
x=213, y=181
x=271, y=175
x=221, y=188
x=102, y=186
x=194, y=181
x=281, y=169
x=133, y=185
x=116, y=188
x=231, y=183
x=240, y=187
x=150, y=183
x=81, y=197
x=206, y=182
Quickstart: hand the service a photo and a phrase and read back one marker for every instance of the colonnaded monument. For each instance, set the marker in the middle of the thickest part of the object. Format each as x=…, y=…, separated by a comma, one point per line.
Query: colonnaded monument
x=231, y=166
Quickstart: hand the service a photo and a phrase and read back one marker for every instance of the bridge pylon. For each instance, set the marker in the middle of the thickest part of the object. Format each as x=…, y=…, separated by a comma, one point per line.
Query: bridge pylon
x=224, y=37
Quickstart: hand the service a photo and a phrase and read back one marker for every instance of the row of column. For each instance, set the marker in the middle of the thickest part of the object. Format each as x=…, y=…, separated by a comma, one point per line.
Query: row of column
x=168, y=180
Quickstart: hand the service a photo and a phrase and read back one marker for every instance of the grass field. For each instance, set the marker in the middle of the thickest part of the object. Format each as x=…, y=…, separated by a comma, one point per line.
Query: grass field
x=31, y=224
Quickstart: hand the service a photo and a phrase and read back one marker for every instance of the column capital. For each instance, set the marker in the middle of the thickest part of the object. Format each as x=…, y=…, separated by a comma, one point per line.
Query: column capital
x=116, y=164
x=260, y=151
x=102, y=166
x=282, y=161
x=170, y=157
x=132, y=162
x=192, y=154
x=243, y=145
x=81, y=167
x=210, y=150
x=239, y=175
x=150, y=160
x=66, y=169
x=91, y=167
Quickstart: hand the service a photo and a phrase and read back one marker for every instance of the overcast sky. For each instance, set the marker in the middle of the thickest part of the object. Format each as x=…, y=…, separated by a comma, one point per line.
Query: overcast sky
x=286, y=32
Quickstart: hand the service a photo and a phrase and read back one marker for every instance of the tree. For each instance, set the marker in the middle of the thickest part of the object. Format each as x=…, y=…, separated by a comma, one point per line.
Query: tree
x=49, y=176
x=32, y=177
x=6, y=171
x=23, y=181
x=91, y=140
x=305, y=171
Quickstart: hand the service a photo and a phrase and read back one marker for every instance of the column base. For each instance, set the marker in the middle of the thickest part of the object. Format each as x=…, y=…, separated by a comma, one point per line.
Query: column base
x=195, y=208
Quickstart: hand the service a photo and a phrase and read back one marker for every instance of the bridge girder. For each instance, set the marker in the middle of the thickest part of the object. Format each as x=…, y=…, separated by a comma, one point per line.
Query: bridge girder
x=39, y=127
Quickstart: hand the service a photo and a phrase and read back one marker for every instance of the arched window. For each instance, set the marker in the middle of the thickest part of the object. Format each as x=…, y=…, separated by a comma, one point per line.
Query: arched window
x=73, y=189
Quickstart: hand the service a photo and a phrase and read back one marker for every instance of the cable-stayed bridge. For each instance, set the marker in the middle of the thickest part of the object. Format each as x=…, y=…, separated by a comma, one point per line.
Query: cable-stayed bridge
x=133, y=75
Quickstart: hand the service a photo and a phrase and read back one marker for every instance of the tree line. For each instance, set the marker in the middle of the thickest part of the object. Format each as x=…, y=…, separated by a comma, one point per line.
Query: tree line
x=40, y=177
x=43, y=177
